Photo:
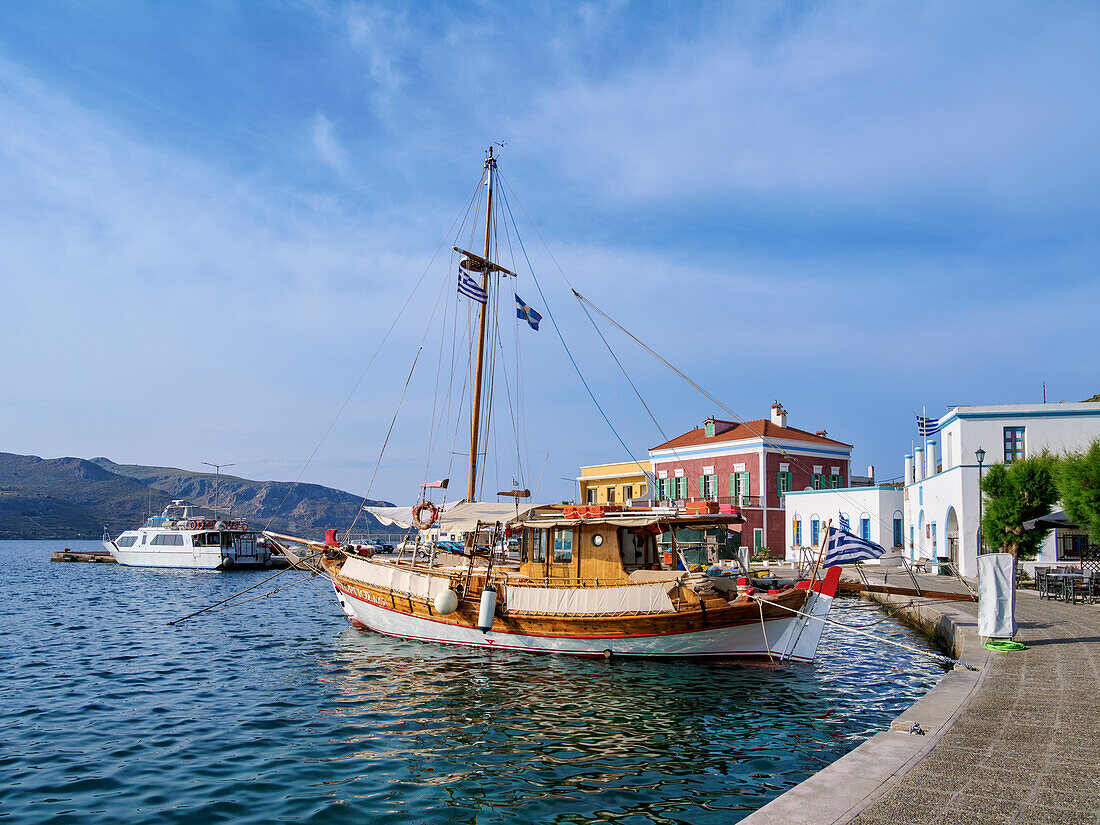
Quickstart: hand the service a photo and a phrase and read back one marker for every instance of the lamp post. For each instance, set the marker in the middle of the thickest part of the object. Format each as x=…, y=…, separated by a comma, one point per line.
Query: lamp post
x=217, y=477
x=980, y=455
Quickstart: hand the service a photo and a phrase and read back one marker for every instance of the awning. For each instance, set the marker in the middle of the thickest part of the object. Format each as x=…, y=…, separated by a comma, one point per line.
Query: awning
x=457, y=517
x=1058, y=518
x=666, y=521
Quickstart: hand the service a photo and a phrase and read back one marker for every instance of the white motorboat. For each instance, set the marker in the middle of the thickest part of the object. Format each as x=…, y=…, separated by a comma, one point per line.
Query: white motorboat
x=188, y=536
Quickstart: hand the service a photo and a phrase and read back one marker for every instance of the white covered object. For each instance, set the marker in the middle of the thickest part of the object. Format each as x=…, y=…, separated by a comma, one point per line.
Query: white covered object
x=996, y=595
x=636, y=598
x=394, y=578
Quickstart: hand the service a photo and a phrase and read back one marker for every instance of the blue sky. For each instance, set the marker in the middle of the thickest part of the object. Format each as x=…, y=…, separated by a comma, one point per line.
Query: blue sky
x=212, y=212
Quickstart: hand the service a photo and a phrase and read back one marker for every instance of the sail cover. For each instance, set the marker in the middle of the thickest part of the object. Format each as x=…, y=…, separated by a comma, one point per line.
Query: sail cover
x=457, y=517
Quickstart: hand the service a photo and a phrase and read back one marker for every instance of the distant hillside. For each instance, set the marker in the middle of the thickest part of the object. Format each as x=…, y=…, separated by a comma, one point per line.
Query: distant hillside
x=76, y=498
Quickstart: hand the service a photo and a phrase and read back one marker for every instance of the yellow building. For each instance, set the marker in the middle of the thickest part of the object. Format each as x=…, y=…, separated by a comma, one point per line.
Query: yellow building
x=614, y=483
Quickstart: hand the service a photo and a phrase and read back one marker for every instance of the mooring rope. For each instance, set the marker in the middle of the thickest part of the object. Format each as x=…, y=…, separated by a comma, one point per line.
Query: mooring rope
x=861, y=632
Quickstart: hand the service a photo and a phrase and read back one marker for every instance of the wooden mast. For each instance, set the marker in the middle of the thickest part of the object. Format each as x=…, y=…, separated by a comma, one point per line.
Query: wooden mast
x=475, y=417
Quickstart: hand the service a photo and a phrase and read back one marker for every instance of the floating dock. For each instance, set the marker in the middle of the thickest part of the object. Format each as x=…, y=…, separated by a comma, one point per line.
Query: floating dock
x=69, y=555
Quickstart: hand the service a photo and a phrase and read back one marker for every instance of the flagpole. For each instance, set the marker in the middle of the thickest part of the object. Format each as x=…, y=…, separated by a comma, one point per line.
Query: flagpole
x=821, y=553
x=475, y=415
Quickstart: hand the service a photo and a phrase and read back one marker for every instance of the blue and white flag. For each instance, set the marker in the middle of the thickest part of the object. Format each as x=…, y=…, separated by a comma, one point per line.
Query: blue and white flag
x=845, y=525
x=927, y=426
x=844, y=548
x=526, y=313
x=470, y=288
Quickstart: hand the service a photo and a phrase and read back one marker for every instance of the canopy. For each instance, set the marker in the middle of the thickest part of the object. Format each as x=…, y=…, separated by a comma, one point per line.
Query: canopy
x=628, y=519
x=457, y=517
x=1058, y=518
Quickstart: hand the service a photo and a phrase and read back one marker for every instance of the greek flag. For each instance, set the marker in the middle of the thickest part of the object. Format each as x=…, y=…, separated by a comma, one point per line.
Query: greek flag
x=844, y=523
x=927, y=426
x=470, y=288
x=844, y=548
x=525, y=313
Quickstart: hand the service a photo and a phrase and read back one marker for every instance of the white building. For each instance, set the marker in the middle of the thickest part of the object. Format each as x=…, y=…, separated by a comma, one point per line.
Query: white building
x=874, y=513
x=941, y=490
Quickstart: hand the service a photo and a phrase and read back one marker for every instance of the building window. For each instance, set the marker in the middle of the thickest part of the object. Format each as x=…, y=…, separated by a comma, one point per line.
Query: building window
x=758, y=538
x=1070, y=545
x=628, y=493
x=911, y=534
x=709, y=429
x=920, y=496
x=798, y=531
x=784, y=482
x=641, y=490
x=1014, y=444
x=590, y=495
x=865, y=529
x=610, y=495
x=739, y=485
x=563, y=546
x=835, y=481
x=897, y=531
x=815, y=530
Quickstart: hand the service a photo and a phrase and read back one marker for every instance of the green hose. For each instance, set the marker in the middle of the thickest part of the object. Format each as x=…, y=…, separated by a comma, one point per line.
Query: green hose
x=1004, y=644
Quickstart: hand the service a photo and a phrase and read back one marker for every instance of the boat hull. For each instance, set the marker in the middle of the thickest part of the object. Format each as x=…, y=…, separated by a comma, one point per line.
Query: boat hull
x=192, y=558
x=789, y=637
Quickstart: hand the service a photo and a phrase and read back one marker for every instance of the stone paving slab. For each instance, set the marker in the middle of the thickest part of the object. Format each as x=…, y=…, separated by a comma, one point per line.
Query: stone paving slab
x=1018, y=742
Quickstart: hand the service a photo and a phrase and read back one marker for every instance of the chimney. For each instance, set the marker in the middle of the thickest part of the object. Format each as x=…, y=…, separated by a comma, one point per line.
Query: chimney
x=918, y=464
x=871, y=473
x=909, y=469
x=779, y=415
x=822, y=433
x=930, y=457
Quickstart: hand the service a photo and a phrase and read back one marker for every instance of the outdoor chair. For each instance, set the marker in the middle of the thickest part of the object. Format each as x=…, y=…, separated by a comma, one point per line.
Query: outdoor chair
x=1043, y=583
x=1093, y=582
x=1076, y=589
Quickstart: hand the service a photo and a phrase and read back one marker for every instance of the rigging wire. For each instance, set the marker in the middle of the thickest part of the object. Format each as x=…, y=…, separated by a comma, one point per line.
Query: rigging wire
x=764, y=439
x=561, y=337
x=363, y=374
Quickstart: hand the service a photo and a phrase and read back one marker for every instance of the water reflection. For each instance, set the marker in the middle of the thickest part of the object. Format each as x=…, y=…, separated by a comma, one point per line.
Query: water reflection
x=279, y=711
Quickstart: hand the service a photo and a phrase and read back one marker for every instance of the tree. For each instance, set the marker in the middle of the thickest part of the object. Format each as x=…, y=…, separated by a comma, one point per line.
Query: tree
x=1015, y=493
x=1078, y=480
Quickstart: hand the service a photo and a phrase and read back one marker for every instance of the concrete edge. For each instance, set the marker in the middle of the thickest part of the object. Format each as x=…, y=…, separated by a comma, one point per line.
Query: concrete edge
x=838, y=793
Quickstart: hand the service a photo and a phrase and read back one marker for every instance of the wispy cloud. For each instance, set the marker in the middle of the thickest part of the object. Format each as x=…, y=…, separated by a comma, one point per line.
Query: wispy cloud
x=328, y=146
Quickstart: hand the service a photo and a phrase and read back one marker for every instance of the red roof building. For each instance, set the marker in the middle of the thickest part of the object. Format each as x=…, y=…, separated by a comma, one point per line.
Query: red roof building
x=751, y=464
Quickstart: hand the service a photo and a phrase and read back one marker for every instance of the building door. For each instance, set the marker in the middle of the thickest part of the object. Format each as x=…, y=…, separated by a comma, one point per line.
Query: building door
x=952, y=536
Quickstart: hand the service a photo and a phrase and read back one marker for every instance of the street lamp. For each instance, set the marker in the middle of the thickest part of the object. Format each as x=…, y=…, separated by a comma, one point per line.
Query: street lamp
x=980, y=455
x=217, y=476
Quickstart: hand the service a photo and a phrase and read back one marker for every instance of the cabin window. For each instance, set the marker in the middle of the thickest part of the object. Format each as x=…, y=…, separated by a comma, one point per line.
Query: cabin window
x=537, y=541
x=636, y=549
x=126, y=541
x=172, y=539
x=563, y=545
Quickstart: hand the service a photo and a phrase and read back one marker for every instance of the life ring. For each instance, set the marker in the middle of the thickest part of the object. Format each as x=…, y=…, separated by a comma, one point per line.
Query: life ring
x=433, y=515
x=193, y=525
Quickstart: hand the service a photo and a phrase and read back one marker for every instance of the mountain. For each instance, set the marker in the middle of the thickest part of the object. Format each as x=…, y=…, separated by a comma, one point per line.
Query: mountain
x=77, y=498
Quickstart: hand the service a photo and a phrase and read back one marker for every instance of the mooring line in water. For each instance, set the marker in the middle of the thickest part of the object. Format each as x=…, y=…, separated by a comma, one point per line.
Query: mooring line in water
x=229, y=598
x=308, y=577
x=861, y=632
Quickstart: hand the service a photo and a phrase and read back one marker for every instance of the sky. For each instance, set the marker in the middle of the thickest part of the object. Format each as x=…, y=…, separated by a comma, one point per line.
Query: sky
x=212, y=213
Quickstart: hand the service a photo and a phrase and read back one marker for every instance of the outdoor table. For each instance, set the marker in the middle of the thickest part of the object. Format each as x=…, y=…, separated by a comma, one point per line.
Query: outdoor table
x=1062, y=577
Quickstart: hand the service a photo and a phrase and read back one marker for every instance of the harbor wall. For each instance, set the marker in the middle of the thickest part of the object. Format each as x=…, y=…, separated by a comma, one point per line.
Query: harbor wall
x=839, y=792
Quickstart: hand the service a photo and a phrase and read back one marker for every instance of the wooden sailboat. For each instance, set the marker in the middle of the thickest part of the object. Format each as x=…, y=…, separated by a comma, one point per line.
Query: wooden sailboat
x=580, y=580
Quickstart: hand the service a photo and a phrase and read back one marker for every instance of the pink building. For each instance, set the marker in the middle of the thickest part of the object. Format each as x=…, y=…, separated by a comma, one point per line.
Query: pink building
x=751, y=464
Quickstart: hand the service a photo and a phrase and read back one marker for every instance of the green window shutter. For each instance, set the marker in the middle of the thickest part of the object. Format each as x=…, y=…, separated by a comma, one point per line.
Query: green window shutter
x=790, y=482
x=733, y=487
x=779, y=484
x=702, y=487
x=714, y=486
x=745, y=491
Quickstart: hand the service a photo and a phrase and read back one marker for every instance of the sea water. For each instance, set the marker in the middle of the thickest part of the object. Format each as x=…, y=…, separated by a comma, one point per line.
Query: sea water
x=279, y=711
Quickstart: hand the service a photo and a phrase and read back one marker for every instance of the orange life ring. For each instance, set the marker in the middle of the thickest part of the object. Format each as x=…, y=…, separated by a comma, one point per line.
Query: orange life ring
x=193, y=525
x=433, y=515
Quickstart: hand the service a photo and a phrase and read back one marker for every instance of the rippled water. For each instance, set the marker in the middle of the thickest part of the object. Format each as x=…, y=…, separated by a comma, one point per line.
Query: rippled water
x=279, y=711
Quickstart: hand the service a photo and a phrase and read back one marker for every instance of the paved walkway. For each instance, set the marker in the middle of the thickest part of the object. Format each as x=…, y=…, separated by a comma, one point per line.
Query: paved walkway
x=1026, y=746
x=1018, y=742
